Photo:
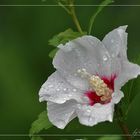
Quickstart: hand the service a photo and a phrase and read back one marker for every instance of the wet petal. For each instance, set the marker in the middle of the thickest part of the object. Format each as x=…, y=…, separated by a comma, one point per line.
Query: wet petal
x=128, y=72
x=57, y=89
x=117, y=96
x=61, y=114
x=97, y=59
x=84, y=52
x=116, y=42
x=91, y=115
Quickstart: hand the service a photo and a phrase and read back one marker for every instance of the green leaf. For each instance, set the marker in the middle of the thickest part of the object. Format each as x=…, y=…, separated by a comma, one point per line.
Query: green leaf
x=99, y=9
x=64, y=37
x=41, y=123
x=134, y=86
x=53, y=52
x=131, y=90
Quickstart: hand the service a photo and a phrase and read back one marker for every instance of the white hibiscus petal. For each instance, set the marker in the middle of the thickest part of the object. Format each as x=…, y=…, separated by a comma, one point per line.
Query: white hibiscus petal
x=117, y=96
x=68, y=62
x=85, y=52
x=91, y=115
x=128, y=72
x=57, y=89
x=61, y=114
x=116, y=42
x=66, y=59
x=115, y=66
x=97, y=59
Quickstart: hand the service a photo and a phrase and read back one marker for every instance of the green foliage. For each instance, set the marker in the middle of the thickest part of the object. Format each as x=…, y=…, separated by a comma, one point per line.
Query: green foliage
x=99, y=9
x=131, y=90
x=64, y=37
x=38, y=125
x=36, y=138
x=110, y=138
x=53, y=52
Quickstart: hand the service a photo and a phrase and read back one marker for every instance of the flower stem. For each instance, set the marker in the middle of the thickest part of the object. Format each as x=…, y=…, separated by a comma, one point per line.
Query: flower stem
x=99, y=9
x=125, y=130
x=70, y=9
x=74, y=17
x=122, y=123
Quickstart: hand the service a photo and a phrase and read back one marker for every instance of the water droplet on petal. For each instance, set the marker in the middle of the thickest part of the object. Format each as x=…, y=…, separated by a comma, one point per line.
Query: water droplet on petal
x=88, y=110
x=58, y=89
x=74, y=90
x=65, y=89
x=69, y=95
x=105, y=58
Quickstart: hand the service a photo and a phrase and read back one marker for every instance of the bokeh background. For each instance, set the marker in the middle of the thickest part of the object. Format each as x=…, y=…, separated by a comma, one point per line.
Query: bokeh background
x=25, y=64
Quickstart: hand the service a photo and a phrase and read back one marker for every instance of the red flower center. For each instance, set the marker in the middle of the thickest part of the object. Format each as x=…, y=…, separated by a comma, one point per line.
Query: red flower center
x=94, y=98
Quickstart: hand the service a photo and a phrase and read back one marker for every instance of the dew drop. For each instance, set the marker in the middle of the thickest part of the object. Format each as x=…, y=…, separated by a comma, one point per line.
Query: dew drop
x=88, y=110
x=74, y=90
x=69, y=95
x=58, y=89
x=105, y=58
x=65, y=89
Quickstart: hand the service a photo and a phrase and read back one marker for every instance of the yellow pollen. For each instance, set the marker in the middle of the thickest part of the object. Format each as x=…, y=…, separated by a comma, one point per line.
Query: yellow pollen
x=100, y=87
x=97, y=84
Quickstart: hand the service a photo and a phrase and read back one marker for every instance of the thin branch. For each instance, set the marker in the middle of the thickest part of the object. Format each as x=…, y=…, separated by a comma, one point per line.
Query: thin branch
x=64, y=7
x=122, y=124
x=74, y=16
x=125, y=130
x=100, y=8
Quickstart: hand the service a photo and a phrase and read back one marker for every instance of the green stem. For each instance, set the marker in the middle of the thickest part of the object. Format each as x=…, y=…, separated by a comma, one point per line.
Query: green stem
x=70, y=9
x=64, y=7
x=122, y=123
x=74, y=17
x=124, y=129
x=99, y=9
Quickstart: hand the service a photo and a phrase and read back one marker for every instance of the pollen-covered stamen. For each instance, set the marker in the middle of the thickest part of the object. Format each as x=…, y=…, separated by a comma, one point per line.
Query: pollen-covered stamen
x=100, y=87
x=97, y=85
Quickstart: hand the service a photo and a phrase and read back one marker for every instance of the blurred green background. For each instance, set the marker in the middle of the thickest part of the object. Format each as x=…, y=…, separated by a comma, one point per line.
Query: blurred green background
x=25, y=64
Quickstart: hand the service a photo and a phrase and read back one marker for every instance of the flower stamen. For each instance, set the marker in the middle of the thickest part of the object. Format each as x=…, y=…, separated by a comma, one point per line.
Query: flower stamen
x=97, y=85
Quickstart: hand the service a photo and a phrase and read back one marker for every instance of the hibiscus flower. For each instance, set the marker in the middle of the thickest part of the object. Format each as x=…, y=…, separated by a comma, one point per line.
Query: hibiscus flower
x=88, y=79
